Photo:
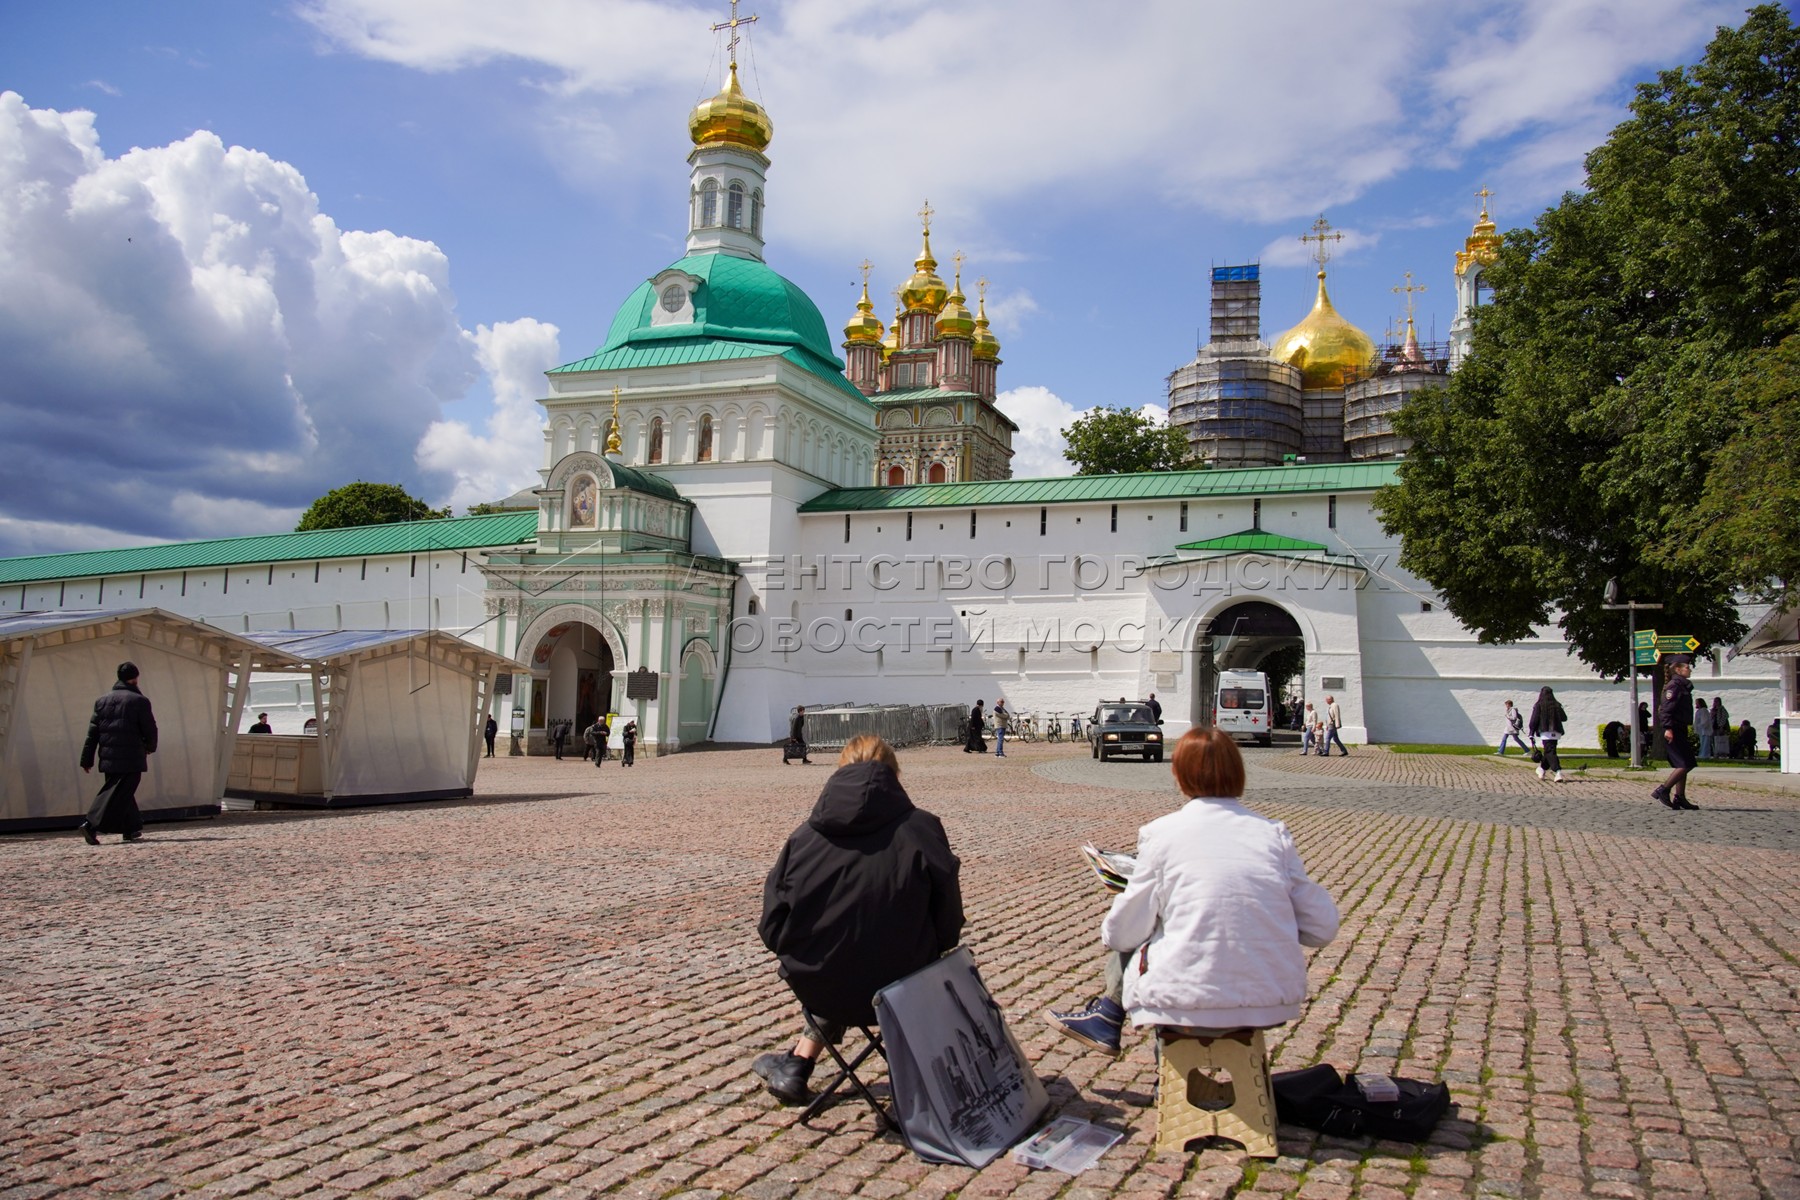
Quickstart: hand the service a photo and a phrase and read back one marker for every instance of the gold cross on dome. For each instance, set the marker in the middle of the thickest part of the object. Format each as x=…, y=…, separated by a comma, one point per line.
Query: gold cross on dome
x=1484, y=194
x=613, y=444
x=867, y=266
x=981, y=286
x=1409, y=289
x=732, y=25
x=925, y=215
x=958, y=259
x=1321, y=234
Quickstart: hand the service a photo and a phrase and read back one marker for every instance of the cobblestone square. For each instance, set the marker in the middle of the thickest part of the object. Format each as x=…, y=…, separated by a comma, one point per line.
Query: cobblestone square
x=555, y=989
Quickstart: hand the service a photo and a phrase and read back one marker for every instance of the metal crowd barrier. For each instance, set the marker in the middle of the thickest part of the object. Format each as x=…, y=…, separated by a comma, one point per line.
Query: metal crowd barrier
x=829, y=727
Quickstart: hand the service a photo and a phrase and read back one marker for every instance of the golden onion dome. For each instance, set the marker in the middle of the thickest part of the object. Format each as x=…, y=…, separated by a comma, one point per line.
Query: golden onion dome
x=891, y=342
x=731, y=117
x=956, y=321
x=865, y=326
x=925, y=291
x=1329, y=350
x=987, y=346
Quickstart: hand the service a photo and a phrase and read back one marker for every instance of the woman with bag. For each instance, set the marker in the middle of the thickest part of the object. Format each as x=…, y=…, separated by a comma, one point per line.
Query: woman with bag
x=1547, y=719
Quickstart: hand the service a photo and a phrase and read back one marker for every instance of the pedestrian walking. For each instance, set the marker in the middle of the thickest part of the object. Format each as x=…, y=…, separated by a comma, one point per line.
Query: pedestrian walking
x=1677, y=709
x=559, y=734
x=1512, y=726
x=490, y=731
x=1000, y=718
x=1721, y=729
x=121, y=736
x=591, y=738
x=1309, y=729
x=1547, y=720
x=602, y=735
x=1155, y=709
x=1703, y=727
x=1773, y=733
x=1334, y=721
x=975, y=743
x=628, y=741
x=796, y=739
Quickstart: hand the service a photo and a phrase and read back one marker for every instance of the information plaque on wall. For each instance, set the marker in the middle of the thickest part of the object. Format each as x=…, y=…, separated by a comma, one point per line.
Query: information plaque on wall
x=641, y=684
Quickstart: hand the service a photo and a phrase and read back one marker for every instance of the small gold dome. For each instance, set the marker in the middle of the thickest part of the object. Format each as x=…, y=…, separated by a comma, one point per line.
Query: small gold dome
x=987, y=346
x=891, y=342
x=925, y=291
x=731, y=117
x=956, y=321
x=1482, y=246
x=865, y=326
x=1329, y=350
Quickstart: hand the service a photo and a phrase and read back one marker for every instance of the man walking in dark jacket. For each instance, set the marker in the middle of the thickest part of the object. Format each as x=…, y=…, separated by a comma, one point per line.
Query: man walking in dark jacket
x=795, y=746
x=123, y=732
x=1675, y=709
x=865, y=893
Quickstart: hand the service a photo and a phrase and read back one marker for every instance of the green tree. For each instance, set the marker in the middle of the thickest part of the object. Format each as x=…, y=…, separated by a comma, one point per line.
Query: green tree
x=362, y=503
x=1605, y=380
x=1120, y=441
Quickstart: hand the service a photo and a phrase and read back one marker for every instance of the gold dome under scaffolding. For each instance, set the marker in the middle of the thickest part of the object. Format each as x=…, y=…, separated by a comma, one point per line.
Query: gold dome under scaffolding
x=731, y=117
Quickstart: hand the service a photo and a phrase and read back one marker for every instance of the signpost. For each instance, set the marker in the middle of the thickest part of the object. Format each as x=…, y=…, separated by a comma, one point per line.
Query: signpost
x=1677, y=643
x=1632, y=607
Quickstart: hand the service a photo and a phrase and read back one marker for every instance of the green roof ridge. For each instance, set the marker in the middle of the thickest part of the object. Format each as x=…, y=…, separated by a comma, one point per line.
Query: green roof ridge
x=357, y=541
x=1253, y=539
x=1148, y=485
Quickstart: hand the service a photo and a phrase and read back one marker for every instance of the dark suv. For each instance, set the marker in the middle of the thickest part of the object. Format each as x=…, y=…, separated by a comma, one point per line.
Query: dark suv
x=1124, y=727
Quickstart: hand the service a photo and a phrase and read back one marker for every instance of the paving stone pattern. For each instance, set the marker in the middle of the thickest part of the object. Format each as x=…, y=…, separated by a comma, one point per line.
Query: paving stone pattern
x=555, y=989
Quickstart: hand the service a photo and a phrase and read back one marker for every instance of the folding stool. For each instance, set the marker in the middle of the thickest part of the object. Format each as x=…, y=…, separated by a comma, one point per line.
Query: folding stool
x=847, y=1069
x=1191, y=1102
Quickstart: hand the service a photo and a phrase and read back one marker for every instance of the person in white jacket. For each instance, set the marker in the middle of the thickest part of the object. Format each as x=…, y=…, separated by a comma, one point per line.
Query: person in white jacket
x=1207, y=934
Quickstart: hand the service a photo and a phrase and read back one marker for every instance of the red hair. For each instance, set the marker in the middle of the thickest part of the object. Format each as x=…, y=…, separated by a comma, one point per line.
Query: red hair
x=1207, y=763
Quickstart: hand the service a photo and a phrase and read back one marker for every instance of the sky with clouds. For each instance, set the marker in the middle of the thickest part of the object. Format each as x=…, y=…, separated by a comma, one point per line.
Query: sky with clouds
x=255, y=251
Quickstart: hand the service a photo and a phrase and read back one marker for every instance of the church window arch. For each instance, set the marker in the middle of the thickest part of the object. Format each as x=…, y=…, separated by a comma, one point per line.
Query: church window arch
x=656, y=440
x=756, y=204
x=705, y=451
x=709, y=203
x=734, y=205
x=937, y=472
x=896, y=477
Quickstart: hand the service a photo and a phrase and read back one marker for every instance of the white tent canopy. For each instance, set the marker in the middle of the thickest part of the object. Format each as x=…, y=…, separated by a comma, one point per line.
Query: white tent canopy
x=54, y=665
x=399, y=712
x=1777, y=636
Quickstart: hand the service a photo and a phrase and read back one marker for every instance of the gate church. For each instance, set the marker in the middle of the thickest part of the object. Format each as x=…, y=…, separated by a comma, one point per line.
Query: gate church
x=729, y=523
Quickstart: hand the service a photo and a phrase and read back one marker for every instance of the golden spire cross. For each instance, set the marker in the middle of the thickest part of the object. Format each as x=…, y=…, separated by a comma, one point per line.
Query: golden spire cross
x=1321, y=235
x=1484, y=194
x=981, y=286
x=925, y=215
x=867, y=266
x=732, y=25
x=958, y=259
x=1409, y=289
x=613, y=444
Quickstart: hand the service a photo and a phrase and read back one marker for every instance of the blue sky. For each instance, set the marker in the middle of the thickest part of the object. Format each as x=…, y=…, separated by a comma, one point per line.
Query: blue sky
x=254, y=250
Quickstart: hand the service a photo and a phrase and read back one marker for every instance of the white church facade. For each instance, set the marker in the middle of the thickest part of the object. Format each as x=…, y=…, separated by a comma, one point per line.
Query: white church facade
x=720, y=533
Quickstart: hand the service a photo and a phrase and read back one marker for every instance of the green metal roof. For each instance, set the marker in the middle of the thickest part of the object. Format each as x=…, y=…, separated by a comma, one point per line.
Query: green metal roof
x=1252, y=540
x=454, y=533
x=739, y=303
x=640, y=481
x=1150, y=485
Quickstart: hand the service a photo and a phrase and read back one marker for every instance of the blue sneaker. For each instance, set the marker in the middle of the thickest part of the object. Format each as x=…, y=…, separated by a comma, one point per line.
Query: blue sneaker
x=1097, y=1025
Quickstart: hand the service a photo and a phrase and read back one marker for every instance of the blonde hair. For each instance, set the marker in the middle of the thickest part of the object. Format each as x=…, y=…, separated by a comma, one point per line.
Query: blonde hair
x=867, y=747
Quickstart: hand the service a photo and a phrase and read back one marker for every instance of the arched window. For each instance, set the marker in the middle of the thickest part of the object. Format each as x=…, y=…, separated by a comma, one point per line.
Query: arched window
x=656, y=440
x=896, y=477
x=705, y=452
x=756, y=212
x=734, y=205
x=709, y=203
x=937, y=472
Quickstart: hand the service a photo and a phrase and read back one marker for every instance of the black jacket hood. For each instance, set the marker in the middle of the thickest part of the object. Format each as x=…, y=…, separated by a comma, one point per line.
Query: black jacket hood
x=859, y=799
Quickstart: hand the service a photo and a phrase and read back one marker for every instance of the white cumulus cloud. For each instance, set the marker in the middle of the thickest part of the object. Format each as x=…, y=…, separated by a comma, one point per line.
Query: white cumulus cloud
x=498, y=462
x=220, y=350
x=1041, y=416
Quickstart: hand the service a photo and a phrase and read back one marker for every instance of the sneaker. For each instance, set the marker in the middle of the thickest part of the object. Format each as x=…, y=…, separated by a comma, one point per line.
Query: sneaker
x=1557, y=777
x=88, y=835
x=1540, y=772
x=1661, y=795
x=785, y=1076
x=1097, y=1025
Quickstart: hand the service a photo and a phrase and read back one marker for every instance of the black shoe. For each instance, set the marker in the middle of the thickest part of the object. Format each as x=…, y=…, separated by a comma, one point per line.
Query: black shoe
x=785, y=1076
x=88, y=835
x=133, y=837
x=1687, y=805
x=1662, y=797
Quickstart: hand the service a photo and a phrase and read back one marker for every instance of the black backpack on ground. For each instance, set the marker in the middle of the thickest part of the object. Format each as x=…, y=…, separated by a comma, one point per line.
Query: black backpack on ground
x=1319, y=1098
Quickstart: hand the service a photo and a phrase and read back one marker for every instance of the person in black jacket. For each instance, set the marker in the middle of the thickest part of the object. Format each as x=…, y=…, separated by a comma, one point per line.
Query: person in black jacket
x=489, y=732
x=1546, y=725
x=123, y=732
x=795, y=747
x=864, y=893
x=1675, y=709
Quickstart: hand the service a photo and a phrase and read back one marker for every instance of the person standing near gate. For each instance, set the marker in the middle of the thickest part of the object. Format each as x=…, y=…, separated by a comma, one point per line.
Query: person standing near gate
x=628, y=740
x=123, y=735
x=489, y=732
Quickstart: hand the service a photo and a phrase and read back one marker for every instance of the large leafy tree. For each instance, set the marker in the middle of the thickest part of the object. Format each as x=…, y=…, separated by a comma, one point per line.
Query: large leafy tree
x=362, y=503
x=1628, y=375
x=1119, y=441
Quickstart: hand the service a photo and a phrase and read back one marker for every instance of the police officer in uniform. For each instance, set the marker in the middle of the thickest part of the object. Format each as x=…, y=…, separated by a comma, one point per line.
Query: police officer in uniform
x=1676, y=712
